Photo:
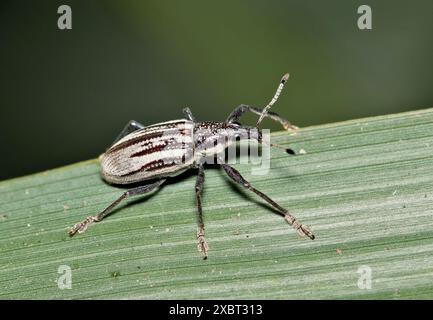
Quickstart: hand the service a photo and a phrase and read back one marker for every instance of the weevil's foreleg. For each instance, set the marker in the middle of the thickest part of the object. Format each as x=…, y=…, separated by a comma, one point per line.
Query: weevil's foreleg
x=240, y=110
x=201, y=241
x=302, y=230
x=82, y=226
x=188, y=114
x=131, y=126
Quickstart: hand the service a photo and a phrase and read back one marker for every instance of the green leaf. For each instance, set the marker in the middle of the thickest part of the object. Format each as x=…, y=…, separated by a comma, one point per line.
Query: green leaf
x=364, y=186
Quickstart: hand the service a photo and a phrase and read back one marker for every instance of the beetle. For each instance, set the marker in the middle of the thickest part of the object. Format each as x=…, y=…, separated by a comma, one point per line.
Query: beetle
x=151, y=155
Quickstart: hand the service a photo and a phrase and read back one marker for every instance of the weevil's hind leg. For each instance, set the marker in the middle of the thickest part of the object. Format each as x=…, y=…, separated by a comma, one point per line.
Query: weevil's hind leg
x=302, y=230
x=240, y=110
x=188, y=114
x=83, y=225
x=202, y=245
x=131, y=126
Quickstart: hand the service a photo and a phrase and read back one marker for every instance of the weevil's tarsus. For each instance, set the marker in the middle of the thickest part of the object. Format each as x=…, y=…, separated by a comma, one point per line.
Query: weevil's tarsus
x=291, y=220
x=241, y=109
x=274, y=99
x=202, y=245
x=188, y=114
x=300, y=228
x=130, y=127
x=82, y=226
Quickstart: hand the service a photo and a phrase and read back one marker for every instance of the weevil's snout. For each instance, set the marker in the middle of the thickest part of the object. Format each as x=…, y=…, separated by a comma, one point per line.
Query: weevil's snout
x=256, y=134
x=252, y=133
x=240, y=132
x=248, y=133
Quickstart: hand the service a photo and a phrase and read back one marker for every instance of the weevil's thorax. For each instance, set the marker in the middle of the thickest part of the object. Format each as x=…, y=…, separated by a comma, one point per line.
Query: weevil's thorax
x=212, y=138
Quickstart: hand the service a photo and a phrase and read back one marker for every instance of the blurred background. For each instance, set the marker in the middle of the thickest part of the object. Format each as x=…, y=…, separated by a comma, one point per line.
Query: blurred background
x=66, y=94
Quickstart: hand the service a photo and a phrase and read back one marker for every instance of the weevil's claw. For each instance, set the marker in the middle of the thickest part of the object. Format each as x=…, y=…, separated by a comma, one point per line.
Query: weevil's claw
x=288, y=126
x=306, y=231
x=300, y=228
x=202, y=245
x=82, y=226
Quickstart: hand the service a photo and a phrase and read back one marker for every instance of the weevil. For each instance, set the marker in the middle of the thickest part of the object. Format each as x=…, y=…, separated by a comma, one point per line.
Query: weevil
x=150, y=155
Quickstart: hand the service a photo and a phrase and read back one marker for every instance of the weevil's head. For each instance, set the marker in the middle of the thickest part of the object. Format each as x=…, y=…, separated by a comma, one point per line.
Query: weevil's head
x=241, y=132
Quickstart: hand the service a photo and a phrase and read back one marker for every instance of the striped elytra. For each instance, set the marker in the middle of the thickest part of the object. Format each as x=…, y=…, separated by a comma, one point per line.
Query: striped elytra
x=163, y=149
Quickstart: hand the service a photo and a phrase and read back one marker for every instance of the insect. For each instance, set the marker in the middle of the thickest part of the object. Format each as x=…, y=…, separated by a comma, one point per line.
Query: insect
x=150, y=155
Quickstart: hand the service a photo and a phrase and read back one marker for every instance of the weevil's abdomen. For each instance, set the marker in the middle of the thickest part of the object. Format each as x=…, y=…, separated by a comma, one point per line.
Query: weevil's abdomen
x=161, y=150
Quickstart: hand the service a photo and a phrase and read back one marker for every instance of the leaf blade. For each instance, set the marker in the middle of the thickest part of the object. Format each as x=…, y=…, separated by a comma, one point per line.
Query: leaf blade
x=364, y=186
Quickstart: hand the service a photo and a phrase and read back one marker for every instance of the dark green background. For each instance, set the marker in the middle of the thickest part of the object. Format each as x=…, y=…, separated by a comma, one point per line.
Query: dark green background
x=65, y=95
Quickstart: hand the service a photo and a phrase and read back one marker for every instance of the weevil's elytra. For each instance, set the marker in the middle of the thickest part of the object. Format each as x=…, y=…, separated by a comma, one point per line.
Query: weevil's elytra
x=150, y=155
x=155, y=151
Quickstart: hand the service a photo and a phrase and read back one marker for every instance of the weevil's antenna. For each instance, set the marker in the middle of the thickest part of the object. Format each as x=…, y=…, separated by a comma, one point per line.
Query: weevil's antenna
x=273, y=145
x=274, y=99
x=287, y=150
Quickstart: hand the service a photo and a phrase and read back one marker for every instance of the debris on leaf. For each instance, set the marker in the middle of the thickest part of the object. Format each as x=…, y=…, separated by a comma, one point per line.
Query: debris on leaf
x=302, y=151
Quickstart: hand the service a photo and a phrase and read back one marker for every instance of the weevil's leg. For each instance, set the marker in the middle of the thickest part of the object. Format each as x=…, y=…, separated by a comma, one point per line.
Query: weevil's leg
x=131, y=126
x=240, y=110
x=202, y=245
x=302, y=230
x=82, y=226
x=188, y=114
